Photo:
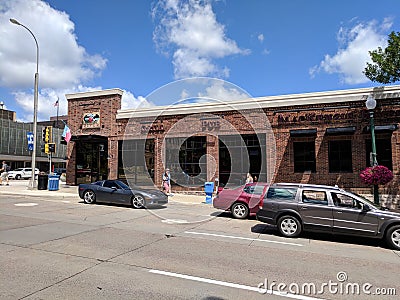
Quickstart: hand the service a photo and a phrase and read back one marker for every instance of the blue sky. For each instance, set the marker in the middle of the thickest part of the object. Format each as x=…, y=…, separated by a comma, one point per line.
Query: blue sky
x=264, y=47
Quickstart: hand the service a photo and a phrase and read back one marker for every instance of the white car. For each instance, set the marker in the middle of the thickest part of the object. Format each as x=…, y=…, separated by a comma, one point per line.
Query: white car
x=24, y=173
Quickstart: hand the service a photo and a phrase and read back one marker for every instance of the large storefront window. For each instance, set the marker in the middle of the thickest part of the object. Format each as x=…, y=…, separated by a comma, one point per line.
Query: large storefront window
x=304, y=156
x=340, y=156
x=383, y=151
x=136, y=161
x=186, y=159
x=239, y=155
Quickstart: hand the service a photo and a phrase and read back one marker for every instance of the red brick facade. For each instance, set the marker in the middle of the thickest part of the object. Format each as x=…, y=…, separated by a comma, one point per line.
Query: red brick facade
x=278, y=120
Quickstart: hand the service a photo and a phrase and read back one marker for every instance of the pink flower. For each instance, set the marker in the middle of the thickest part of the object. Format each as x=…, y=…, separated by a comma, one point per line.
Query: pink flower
x=376, y=175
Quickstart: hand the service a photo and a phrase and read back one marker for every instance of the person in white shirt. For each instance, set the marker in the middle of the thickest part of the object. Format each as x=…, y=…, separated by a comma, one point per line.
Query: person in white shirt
x=4, y=173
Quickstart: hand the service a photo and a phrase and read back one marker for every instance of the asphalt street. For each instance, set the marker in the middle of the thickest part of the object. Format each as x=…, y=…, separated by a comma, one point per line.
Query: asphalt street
x=59, y=248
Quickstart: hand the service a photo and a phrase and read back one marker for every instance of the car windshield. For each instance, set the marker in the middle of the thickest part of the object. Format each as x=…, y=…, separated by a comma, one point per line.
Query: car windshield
x=18, y=169
x=123, y=185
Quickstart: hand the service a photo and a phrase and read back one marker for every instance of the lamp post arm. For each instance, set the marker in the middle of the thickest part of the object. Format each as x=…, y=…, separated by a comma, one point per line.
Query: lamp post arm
x=37, y=47
x=372, y=127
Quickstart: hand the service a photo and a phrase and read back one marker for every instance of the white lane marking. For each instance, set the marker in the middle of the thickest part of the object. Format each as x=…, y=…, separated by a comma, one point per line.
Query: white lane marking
x=233, y=285
x=174, y=221
x=26, y=204
x=243, y=238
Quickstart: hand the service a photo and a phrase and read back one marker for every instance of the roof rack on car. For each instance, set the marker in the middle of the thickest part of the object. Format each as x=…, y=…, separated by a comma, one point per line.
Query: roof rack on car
x=307, y=185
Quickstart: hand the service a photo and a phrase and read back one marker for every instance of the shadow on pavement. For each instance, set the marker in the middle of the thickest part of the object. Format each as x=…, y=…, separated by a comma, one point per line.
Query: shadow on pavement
x=343, y=239
x=152, y=207
x=227, y=214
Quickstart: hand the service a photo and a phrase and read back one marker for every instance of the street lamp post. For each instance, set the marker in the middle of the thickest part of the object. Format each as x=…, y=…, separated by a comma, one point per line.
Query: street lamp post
x=371, y=104
x=32, y=182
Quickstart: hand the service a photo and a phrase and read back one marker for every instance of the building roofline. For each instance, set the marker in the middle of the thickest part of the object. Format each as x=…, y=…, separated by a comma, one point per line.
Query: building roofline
x=115, y=91
x=290, y=100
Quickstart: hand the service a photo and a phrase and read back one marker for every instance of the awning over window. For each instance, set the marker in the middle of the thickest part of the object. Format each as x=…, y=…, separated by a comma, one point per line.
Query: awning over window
x=341, y=130
x=383, y=128
x=303, y=132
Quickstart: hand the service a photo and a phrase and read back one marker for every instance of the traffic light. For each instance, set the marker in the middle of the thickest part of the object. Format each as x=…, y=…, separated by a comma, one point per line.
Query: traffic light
x=47, y=134
x=42, y=147
x=46, y=148
x=52, y=147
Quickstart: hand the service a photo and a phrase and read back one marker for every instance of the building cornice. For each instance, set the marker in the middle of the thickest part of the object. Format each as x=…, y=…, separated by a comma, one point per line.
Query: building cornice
x=101, y=93
x=280, y=101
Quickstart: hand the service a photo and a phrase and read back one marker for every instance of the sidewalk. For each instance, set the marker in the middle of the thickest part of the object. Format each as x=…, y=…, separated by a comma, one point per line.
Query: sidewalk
x=20, y=187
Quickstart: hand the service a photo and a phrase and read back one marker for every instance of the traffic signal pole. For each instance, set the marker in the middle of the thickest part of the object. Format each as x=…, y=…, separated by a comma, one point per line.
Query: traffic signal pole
x=50, y=171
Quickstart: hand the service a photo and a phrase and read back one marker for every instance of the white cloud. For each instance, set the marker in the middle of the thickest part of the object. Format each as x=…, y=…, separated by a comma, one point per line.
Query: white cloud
x=220, y=91
x=352, y=55
x=190, y=30
x=62, y=61
x=260, y=37
x=46, y=100
x=130, y=101
x=64, y=65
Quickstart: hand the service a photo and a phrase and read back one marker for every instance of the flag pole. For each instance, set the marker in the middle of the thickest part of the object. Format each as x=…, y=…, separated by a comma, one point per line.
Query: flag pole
x=58, y=107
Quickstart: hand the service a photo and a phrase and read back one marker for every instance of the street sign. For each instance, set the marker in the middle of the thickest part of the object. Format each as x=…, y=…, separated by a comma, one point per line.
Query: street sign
x=29, y=136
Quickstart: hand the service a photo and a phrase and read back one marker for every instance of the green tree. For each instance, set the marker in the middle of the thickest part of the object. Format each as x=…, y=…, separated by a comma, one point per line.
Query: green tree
x=386, y=63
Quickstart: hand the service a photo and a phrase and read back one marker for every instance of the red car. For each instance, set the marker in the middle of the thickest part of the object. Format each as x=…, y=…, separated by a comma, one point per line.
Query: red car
x=241, y=201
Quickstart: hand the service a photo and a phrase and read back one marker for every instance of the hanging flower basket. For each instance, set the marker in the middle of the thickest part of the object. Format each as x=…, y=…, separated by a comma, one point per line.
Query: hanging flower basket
x=376, y=175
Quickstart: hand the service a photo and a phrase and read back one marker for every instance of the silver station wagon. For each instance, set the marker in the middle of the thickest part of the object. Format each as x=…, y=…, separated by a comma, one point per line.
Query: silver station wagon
x=303, y=207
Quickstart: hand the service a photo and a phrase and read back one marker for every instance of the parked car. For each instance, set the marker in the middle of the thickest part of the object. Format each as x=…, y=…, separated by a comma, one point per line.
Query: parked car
x=22, y=173
x=241, y=201
x=115, y=191
x=295, y=208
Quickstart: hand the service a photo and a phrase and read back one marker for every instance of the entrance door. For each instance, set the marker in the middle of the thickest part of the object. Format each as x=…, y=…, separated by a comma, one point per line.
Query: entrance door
x=239, y=155
x=91, y=160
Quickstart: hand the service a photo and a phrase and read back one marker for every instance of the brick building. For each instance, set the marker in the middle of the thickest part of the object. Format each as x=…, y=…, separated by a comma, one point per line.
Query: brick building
x=321, y=137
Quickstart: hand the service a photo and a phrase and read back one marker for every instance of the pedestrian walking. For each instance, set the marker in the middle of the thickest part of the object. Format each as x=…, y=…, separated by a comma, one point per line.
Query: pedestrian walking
x=4, y=173
x=166, y=178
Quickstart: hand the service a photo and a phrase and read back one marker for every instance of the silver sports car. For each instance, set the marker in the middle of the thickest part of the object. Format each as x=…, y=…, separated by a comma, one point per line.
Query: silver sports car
x=115, y=191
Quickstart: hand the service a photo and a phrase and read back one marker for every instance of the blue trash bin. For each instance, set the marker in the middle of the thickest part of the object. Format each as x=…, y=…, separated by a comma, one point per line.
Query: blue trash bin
x=54, y=182
x=209, y=189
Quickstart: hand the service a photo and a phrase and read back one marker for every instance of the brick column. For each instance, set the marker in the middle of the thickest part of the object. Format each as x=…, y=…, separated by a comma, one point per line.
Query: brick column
x=158, y=165
x=71, y=163
x=113, y=161
x=212, y=158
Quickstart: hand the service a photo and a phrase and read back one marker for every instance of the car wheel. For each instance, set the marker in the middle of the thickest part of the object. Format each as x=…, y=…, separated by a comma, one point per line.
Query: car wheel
x=89, y=197
x=393, y=237
x=17, y=177
x=289, y=226
x=240, y=210
x=138, y=201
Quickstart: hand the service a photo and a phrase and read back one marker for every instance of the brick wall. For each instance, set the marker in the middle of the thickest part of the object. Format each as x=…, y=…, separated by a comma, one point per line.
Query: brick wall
x=107, y=106
x=275, y=123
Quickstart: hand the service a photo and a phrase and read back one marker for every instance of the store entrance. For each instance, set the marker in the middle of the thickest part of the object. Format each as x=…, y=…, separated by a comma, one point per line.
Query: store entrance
x=91, y=159
x=239, y=155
